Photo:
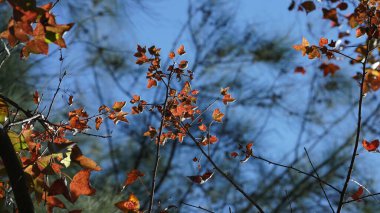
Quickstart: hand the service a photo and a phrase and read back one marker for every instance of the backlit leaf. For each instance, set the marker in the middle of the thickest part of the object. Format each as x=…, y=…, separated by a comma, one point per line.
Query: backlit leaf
x=132, y=176
x=217, y=115
x=80, y=185
x=36, y=97
x=371, y=146
x=358, y=193
x=181, y=50
x=132, y=204
x=118, y=105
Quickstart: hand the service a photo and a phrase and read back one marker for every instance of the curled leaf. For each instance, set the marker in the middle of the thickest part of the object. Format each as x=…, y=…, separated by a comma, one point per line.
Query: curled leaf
x=132, y=204
x=201, y=179
x=371, y=146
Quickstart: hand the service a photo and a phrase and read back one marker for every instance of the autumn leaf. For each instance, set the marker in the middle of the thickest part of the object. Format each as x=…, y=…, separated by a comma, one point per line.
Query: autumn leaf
x=330, y=14
x=300, y=70
x=132, y=204
x=202, y=127
x=234, y=154
x=209, y=140
x=360, y=31
x=217, y=115
x=183, y=64
x=201, y=179
x=371, y=146
x=85, y=162
x=4, y=111
x=53, y=202
x=98, y=122
x=36, y=97
x=171, y=55
x=135, y=99
x=152, y=132
x=323, y=42
x=80, y=185
x=181, y=50
x=358, y=193
x=228, y=99
x=117, y=106
x=329, y=68
x=70, y=101
x=132, y=176
x=308, y=6
x=59, y=188
x=302, y=47
x=151, y=83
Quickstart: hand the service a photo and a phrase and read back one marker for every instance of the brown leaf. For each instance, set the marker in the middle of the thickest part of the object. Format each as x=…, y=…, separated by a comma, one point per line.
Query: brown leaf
x=308, y=6
x=358, y=193
x=201, y=179
x=300, y=70
x=181, y=50
x=80, y=185
x=132, y=176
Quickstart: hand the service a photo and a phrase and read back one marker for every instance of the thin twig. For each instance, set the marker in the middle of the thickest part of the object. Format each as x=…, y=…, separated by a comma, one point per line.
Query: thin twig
x=361, y=198
x=157, y=158
x=221, y=172
x=320, y=184
x=353, y=157
x=25, y=120
x=298, y=170
x=290, y=202
x=198, y=207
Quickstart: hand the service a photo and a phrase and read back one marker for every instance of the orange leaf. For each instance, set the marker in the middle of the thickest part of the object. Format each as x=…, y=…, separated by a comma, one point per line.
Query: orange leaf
x=52, y=202
x=370, y=146
x=132, y=176
x=118, y=105
x=202, y=127
x=228, y=99
x=151, y=83
x=302, y=47
x=171, y=55
x=234, y=154
x=98, y=121
x=136, y=98
x=80, y=185
x=323, y=42
x=130, y=205
x=217, y=115
x=83, y=161
x=181, y=50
